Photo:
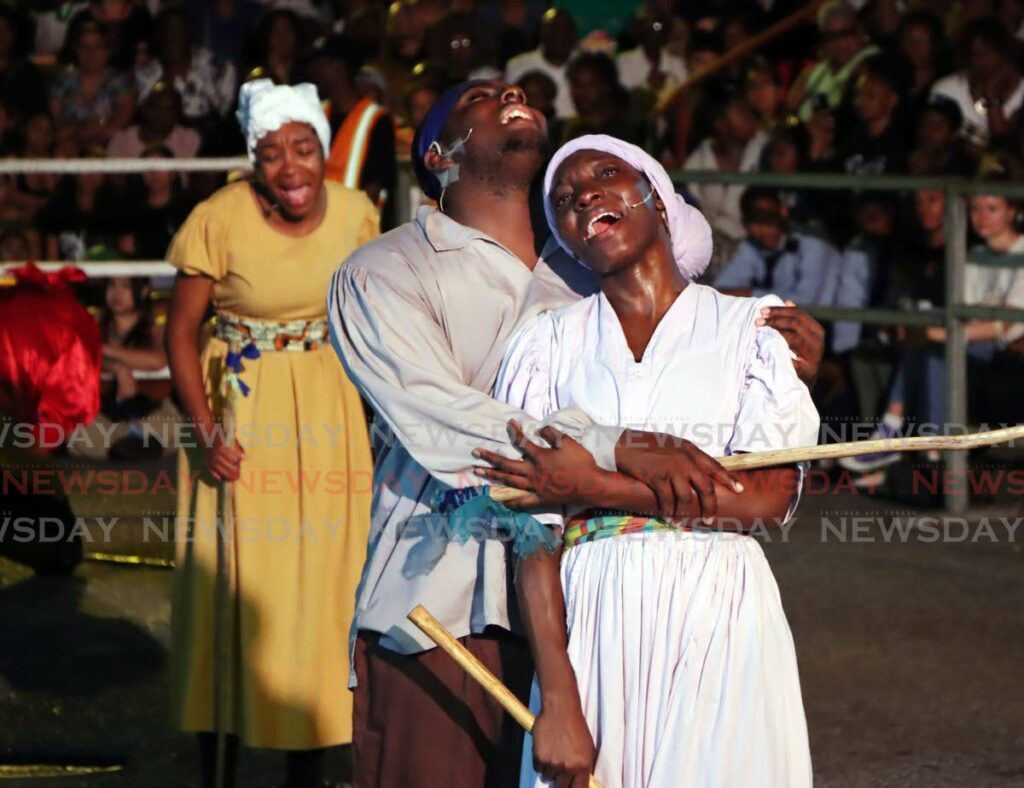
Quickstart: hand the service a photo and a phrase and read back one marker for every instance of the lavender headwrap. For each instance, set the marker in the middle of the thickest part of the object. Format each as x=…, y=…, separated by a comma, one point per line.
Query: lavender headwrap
x=687, y=227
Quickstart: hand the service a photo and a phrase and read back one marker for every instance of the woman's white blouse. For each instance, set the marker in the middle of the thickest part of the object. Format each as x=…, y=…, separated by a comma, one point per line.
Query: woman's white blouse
x=708, y=374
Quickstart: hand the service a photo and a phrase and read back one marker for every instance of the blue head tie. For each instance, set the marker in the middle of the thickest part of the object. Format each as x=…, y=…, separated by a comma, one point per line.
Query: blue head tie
x=431, y=130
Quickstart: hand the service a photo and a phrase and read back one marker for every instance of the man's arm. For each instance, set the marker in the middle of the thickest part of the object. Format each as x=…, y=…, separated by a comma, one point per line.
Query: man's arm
x=399, y=358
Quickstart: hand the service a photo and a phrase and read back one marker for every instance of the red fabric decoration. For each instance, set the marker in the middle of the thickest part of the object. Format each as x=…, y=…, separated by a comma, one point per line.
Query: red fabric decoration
x=50, y=353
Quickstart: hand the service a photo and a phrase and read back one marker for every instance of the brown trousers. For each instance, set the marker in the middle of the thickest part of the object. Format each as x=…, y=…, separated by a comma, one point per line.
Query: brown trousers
x=422, y=722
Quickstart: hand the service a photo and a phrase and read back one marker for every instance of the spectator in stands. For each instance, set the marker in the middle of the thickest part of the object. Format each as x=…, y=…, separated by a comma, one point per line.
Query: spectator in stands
x=557, y=42
x=602, y=104
x=734, y=144
x=126, y=24
x=90, y=100
x=82, y=213
x=940, y=149
x=650, y=66
x=159, y=124
x=989, y=91
x=418, y=98
x=923, y=40
x=918, y=386
x=844, y=47
x=453, y=42
x=136, y=418
x=222, y=26
x=278, y=41
x=541, y=92
x=156, y=206
x=877, y=142
x=22, y=87
x=32, y=190
x=763, y=92
x=205, y=83
x=776, y=259
x=787, y=152
x=681, y=134
x=362, y=154
x=15, y=246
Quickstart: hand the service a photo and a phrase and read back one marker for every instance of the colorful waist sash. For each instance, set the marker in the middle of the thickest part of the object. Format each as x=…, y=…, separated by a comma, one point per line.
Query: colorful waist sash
x=267, y=336
x=595, y=524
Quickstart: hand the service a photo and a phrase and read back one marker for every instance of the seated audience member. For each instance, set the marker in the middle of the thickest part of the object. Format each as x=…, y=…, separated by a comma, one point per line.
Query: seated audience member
x=557, y=42
x=156, y=206
x=453, y=41
x=776, y=259
x=541, y=92
x=126, y=22
x=787, y=151
x=702, y=47
x=876, y=144
x=417, y=99
x=358, y=160
x=922, y=39
x=278, y=40
x=205, y=83
x=940, y=149
x=650, y=66
x=82, y=213
x=159, y=124
x=32, y=190
x=763, y=92
x=90, y=101
x=734, y=144
x=371, y=84
x=136, y=417
x=918, y=386
x=223, y=26
x=602, y=104
x=844, y=46
x=509, y=27
x=990, y=90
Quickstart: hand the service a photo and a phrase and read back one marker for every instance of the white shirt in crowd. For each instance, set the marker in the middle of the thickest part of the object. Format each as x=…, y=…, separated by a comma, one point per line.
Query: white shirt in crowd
x=991, y=284
x=634, y=68
x=975, y=128
x=721, y=203
x=535, y=61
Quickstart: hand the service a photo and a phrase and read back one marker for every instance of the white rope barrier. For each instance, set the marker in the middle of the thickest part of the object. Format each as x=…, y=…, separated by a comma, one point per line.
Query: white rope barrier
x=122, y=166
x=99, y=269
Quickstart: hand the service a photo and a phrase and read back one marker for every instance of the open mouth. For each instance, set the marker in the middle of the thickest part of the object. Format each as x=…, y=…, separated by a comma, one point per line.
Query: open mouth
x=601, y=223
x=514, y=112
x=297, y=195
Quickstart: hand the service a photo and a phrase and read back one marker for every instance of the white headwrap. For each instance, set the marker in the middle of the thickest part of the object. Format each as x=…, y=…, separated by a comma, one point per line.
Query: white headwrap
x=687, y=227
x=264, y=107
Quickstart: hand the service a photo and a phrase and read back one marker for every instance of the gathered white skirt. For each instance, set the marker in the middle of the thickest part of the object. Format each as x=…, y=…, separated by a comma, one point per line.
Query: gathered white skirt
x=685, y=664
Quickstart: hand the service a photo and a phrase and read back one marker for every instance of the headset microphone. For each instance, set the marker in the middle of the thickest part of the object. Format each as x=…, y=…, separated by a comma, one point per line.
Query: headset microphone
x=631, y=206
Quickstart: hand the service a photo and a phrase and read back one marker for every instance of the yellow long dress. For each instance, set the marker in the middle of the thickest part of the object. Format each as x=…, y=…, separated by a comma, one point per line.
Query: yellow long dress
x=302, y=504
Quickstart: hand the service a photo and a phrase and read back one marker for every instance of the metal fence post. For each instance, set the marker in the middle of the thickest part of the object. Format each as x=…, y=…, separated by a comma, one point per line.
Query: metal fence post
x=955, y=495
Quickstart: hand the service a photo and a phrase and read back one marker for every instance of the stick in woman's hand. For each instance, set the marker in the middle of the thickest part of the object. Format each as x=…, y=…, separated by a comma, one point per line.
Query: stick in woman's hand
x=832, y=451
x=433, y=629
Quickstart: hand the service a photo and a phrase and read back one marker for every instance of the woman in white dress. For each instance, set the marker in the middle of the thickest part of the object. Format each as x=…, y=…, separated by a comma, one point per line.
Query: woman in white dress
x=671, y=662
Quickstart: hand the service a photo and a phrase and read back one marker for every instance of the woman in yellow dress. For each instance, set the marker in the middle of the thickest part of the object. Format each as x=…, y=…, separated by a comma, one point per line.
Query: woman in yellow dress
x=297, y=471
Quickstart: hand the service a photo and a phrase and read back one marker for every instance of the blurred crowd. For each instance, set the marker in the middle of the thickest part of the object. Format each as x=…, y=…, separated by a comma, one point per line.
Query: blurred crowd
x=863, y=87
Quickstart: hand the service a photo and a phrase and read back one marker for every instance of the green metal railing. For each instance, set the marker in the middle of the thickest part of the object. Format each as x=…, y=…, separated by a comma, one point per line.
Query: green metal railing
x=953, y=316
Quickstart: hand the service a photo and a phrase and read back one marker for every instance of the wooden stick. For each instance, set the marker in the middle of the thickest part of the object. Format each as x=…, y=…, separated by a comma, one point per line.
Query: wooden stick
x=750, y=45
x=433, y=629
x=832, y=451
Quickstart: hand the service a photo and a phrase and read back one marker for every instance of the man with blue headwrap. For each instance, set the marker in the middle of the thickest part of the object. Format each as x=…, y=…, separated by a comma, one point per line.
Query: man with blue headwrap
x=420, y=318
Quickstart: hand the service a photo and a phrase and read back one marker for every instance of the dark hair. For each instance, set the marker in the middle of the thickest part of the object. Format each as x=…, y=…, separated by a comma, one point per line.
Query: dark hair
x=141, y=335
x=754, y=194
x=704, y=41
x=990, y=31
x=942, y=50
x=597, y=62
x=891, y=67
x=22, y=30
x=793, y=132
x=550, y=88
x=260, y=40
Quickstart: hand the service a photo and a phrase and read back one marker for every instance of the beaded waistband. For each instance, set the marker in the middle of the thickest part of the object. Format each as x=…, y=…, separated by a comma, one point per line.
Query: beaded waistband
x=267, y=336
x=595, y=524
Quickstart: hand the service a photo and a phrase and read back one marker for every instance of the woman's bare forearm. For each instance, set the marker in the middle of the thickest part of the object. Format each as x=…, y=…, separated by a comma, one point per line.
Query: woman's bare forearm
x=188, y=305
x=139, y=358
x=542, y=607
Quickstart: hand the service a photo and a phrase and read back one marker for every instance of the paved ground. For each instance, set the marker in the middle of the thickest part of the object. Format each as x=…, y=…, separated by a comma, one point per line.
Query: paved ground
x=910, y=654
